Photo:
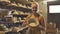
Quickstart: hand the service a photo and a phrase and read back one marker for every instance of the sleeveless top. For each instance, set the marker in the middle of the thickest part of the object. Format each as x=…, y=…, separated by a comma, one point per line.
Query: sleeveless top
x=33, y=20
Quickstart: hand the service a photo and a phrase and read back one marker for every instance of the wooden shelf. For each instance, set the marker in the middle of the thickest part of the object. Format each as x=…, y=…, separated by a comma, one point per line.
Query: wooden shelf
x=24, y=2
x=20, y=15
x=15, y=8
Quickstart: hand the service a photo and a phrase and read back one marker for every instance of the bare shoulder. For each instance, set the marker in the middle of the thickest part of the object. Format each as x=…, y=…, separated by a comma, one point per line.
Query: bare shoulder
x=41, y=17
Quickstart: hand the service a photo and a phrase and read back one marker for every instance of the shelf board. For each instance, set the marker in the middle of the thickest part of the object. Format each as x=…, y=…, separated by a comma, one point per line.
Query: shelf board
x=15, y=8
x=21, y=1
x=20, y=16
x=6, y=5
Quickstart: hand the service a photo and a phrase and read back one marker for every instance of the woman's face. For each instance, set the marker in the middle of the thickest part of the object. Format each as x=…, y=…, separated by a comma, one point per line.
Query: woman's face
x=34, y=8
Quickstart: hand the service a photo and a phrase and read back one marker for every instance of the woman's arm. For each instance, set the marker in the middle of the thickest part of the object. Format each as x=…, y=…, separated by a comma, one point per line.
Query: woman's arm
x=41, y=22
x=26, y=21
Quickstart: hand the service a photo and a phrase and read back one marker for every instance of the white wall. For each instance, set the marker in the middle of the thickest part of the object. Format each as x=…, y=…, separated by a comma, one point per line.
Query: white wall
x=43, y=9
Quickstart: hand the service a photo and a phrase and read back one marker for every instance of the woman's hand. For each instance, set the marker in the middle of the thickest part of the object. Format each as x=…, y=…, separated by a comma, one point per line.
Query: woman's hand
x=41, y=27
x=24, y=24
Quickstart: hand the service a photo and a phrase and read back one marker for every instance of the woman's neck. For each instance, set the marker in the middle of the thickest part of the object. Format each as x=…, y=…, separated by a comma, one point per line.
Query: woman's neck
x=34, y=13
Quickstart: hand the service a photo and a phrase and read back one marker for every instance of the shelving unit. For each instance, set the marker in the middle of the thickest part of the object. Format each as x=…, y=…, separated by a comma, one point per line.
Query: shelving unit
x=20, y=6
x=25, y=6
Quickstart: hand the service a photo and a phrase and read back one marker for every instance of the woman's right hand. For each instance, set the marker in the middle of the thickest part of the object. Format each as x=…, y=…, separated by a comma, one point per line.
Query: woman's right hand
x=24, y=24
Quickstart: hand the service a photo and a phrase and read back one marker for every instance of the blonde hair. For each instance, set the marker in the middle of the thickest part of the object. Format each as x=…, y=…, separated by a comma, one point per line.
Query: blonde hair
x=36, y=5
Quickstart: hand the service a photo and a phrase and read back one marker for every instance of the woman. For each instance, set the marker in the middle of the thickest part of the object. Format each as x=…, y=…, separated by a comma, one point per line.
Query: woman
x=35, y=18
